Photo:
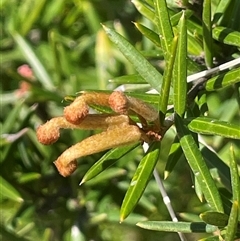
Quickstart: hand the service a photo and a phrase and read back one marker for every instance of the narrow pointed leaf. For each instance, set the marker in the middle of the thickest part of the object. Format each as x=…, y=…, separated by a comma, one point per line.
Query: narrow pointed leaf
x=223, y=171
x=227, y=36
x=194, y=45
x=106, y=161
x=180, y=70
x=109, y=174
x=220, y=11
x=148, y=98
x=215, y=218
x=232, y=222
x=167, y=78
x=183, y=227
x=233, y=21
x=207, y=33
x=140, y=180
x=205, y=125
x=144, y=9
x=198, y=166
x=176, y=17
x=223, y=80
x=128, y=79
x=198, y=190
x=164, y=25
x=175, y=154
x=29, y=177
x=142, y=66
x=8, y=191
x=148, y=33
x=234, y=177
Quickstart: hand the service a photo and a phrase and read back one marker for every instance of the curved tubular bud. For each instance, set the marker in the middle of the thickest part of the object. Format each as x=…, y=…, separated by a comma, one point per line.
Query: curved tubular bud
x=148, y=112
x=79, y=108
x=121, y=104
x=49, y=132
x=118, y=102
x=115, y=136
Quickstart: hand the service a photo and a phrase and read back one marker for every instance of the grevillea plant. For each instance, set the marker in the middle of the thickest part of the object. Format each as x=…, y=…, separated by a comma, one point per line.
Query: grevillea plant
x=187, y=60
x=132, y=120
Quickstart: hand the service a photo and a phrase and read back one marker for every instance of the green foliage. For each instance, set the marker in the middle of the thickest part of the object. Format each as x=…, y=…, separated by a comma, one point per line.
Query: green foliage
x=68, y=51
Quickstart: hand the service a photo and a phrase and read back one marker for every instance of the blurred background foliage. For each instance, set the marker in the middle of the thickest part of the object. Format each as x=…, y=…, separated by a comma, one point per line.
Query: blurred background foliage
x=68, y=51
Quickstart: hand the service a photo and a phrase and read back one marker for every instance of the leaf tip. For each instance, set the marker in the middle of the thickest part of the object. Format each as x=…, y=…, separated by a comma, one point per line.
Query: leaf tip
x=166, y=174
x=105, y=27
x=138, y=224
x=122, y=218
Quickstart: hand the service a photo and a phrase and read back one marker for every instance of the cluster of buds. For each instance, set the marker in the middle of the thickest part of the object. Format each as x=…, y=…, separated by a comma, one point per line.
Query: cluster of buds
x=118, y=129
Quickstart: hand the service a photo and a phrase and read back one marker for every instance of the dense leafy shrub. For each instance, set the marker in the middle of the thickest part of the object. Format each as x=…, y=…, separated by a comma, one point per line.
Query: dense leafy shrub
x=53, y=49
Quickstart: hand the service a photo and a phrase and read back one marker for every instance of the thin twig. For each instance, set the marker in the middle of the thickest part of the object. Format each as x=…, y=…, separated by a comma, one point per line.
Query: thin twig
x=208, y=72
x=167, y=201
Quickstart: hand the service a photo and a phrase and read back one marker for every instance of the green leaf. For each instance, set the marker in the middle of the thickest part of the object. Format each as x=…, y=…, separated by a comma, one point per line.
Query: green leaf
x=108, y=174
x=232, y=222
x=167, y=78
x=148, y=33
x=222, y=169
x=227, y=36
x=234, y=177
x=164, y=25
x=148, y=98
x=180, y=70
x=207, y=33
x=198, y=166
x=140, y=180
x=144, y=9
x=175, y=154
x=233, y=21
x=209, y=126
x=198, y=189
x=128, y=79
x=220, y=11
x=33, y=60
x=28, y=177
x=194, y=28
x=226, y=199
x=8, y=191
x=142, y=66
x=11, y=118
x=176, y=17
x=223, y=80
x=34, y=12
x=194, y=45
x=215, y=218
x=202, y=103
x=183, y=227
x=106, y=161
